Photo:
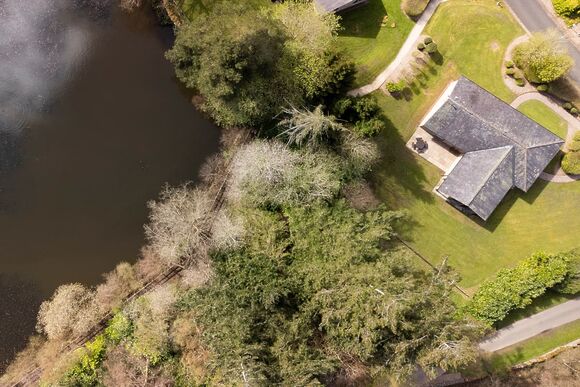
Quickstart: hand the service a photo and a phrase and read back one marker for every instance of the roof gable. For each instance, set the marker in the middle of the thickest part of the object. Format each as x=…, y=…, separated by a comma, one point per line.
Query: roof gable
x=481, y=179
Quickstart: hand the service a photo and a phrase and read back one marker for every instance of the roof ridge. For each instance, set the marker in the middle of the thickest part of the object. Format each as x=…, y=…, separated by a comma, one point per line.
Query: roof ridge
x=488, y=176
x=560, y=141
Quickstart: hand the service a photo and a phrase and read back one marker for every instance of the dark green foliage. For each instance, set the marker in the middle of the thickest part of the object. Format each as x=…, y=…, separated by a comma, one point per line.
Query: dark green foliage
x=363, y=112
x=431, y=48
x=516, y=288
x=509, y=64
x=567, y=105
x=542, y=87
x=414, y=8
x=510, y=71
x=571, y=160
x=574, y=111
x=420, y=46
x=520, y=82
x=87, y=371
x=319, y=285
x=428, y=40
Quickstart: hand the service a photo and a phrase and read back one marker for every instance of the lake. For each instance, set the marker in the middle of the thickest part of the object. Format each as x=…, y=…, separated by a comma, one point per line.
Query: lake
x=92, y=124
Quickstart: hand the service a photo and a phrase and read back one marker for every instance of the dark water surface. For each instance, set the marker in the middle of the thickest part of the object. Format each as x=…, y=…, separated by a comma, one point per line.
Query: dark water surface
x=91, y=148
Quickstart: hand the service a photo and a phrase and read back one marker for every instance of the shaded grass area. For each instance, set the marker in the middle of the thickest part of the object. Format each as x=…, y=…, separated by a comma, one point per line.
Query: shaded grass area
x=543, y=115
x=534, y=347
x=472, y=37
x=371, y=46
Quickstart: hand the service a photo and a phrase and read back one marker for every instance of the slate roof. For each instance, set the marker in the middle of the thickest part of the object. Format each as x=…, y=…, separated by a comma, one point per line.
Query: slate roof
x=337, y=5
x=496, y=140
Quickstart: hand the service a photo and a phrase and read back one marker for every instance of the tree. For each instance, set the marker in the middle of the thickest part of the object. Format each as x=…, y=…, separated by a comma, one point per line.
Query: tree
x=70, y=312
x=180, y=224
x=543, y=58
x=233, y=58
x=311, y=128
x=267, y=172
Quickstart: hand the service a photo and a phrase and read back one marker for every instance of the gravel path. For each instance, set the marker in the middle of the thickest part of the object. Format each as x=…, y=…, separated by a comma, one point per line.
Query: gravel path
x=533, y=325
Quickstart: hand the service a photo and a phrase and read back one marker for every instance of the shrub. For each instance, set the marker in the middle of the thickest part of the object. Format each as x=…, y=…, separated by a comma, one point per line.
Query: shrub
x=395, y=87
x=567, y=105
x=414, y=8
x=431, y=48
x=420, y=46
x=86, y=371
x=520, y=82
x=516, y=287
x=542, y=87
x=363, y=112
x=428, y=40
x=571, y=163
x=568, y=8
x=510, y=71
x=574, y=111
x=509, y=64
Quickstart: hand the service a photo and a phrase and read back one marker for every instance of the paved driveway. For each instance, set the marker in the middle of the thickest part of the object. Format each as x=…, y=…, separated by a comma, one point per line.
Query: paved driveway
x=534, y=325
x=533, y=15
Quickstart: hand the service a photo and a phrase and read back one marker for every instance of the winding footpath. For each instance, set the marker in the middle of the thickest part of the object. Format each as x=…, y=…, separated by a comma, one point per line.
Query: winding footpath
x=529, y=327
x=403, y=53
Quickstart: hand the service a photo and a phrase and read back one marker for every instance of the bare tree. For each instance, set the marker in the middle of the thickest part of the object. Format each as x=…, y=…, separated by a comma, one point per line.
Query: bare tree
x=118, y=284
x=362, y=153
x=70, y=311
x=227, y=231
x=179, y=224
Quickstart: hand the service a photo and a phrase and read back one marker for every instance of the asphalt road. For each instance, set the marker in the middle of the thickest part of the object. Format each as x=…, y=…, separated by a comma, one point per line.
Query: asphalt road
x=534, y=17
x=531, y=326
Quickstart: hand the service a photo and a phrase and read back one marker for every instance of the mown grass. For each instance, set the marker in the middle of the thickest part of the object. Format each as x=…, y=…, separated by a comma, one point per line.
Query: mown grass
x=543, y=115
x=534, y=347
x=371, y=46
x=472, y=37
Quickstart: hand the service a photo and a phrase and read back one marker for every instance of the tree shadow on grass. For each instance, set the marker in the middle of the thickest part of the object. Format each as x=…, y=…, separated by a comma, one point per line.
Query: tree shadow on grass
x=364, y=22
x=399, y=176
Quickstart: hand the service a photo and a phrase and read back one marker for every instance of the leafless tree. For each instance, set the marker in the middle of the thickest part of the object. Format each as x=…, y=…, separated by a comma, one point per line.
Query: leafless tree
x=70, y=311
x=227, y=230
x=179, y=224
x=362, y=153
x=118, y=284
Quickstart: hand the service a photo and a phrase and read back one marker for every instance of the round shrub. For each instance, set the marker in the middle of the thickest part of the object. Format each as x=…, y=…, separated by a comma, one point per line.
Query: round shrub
x=509, y=64
x=567, y=105
x=420, y=47
x=414, y=8
x=520, y=82
x=574, y=110
x=431, y=48
x=510, y=71
x=542, y=87
x=571, y=163
x=428, y=40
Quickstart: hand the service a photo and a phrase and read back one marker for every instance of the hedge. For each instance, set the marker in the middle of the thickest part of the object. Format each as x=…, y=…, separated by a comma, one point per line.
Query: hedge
x=571, y=284
x=515, y=288
x=414, y=8
x=571, y=160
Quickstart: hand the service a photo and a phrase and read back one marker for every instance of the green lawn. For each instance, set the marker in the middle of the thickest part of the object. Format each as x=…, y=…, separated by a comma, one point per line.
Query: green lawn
x=371, y=46
x=545, y=116
x=535, y=346
x=472, y=36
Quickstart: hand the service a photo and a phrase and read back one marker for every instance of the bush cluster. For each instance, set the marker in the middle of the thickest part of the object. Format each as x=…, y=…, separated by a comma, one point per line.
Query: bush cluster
x=568, y=8
x=515, y=288
x=364, y=113
x=395, y=87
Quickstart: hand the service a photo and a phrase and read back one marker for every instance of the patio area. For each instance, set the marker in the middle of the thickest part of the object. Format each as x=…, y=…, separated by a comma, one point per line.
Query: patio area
x=432, y=150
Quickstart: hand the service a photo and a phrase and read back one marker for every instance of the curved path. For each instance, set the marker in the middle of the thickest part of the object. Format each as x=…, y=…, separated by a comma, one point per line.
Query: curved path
x=407, y=48
x=534, y=325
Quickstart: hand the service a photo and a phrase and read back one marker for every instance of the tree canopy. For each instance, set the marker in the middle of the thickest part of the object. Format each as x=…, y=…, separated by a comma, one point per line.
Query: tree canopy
x=543, y=58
